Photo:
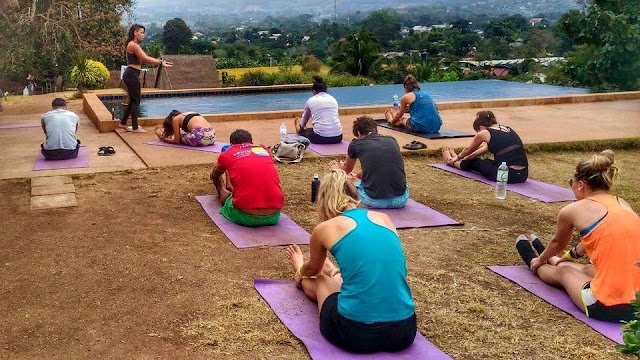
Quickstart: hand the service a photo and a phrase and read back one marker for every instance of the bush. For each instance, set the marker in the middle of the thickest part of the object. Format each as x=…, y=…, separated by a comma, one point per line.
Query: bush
x=310, y=63
x=90, y=75
x=253, y=78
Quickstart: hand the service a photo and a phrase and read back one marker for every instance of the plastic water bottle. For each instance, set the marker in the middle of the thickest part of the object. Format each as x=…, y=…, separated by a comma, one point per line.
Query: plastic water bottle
x=501, y=181
x=315, y=186
x=395, y=104
x=283, y=132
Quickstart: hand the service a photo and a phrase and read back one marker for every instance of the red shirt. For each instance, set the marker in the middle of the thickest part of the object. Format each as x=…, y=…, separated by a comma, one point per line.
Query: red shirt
x=254, y=177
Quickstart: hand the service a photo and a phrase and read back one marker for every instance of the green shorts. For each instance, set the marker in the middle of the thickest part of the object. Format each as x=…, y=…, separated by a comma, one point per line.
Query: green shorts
x=242, y=218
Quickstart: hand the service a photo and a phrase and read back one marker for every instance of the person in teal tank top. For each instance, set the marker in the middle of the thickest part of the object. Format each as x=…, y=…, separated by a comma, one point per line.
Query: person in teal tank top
x=425, y=117
x=365, y=302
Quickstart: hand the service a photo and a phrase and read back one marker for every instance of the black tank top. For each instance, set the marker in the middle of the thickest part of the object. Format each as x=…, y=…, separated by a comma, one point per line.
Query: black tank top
x=506, y=146
x=132, y=59
x=186, y=120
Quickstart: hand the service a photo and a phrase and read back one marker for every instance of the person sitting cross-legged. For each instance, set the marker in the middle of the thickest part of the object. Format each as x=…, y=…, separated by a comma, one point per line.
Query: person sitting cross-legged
x=247, y=183
x=382, y=182
x=609, y=234
x=60, y=126
x=365, y=306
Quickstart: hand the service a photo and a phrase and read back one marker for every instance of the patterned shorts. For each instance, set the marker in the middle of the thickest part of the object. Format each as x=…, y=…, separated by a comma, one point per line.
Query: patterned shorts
x=199, y=136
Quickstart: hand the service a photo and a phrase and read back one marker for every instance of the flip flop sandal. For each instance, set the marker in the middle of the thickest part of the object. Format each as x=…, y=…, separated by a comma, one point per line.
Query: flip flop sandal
x=415, y=145
x=106, y=151
x=110, y=150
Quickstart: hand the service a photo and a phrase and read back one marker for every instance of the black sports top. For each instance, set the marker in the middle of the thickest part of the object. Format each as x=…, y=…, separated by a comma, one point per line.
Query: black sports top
x=132, y=59
x=506, y=146
x=186, y=120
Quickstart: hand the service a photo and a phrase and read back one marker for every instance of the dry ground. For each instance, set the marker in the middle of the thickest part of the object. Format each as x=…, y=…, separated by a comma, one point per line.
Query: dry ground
x=137, y=270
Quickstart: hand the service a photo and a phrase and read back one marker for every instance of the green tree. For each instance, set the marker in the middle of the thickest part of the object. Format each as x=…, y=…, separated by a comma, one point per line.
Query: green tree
x=382, y=25
x=175, y=34
x=607, y=51
x=42, y=37
x=356, y=54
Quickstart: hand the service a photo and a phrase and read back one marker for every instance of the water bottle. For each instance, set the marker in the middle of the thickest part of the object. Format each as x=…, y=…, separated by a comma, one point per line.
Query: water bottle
x=395, y=104
x=501, y=181
x=283, y=132
x=315, y=186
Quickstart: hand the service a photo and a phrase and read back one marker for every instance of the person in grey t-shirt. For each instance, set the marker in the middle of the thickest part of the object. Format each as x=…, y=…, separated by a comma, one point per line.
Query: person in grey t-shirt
x=382, y=183
x=60, y=126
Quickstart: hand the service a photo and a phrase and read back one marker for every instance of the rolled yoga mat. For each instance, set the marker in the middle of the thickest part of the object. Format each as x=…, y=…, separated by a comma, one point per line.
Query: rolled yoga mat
x=416, y=215
x=442, y=134
x=559, y=298
x=82, y=161
x=284, y=233
x=20, y=126
x=215, y=148
x=330, y=149
x=534, y=189
x=300, y=316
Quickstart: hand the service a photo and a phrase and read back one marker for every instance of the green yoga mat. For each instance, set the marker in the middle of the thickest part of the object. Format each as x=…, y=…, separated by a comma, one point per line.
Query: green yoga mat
x=443, y=133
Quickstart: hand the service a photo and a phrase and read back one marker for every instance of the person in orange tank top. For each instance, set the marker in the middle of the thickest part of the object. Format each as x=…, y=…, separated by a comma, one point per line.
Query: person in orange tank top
x=609, y=236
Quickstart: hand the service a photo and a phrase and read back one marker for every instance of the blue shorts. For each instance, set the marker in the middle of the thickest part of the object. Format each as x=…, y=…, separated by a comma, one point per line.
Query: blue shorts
x=389, y=203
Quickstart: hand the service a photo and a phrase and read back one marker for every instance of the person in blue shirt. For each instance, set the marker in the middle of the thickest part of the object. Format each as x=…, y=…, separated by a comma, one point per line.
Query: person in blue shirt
x=424, y=116
x=365, y=305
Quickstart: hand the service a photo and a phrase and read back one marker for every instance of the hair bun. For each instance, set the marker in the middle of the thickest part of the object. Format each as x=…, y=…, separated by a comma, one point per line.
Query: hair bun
x=603, y=161
x=317, y=79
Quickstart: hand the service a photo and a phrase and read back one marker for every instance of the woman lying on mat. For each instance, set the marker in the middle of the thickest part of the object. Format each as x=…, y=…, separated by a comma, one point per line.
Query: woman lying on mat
x=188, y=128
x=498, y=139
x=425, y=117
x=608, y=235
x=366, y=305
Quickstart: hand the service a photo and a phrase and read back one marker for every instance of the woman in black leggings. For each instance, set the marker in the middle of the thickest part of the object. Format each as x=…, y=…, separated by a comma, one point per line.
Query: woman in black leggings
x=135, y=58
x=498, y=139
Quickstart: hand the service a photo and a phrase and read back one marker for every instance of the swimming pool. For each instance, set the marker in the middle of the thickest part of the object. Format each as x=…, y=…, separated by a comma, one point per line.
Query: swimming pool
x=346, y=96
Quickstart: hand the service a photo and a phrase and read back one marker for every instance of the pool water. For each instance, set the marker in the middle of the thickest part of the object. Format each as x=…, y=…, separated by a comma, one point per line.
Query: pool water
x=346, y=96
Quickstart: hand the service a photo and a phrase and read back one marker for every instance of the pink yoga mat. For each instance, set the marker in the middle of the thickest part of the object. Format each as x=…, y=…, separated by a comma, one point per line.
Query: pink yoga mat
x=82, y=161
x=20, y=126
x=330, y=149
x=416, y=215
x=284, y=233
x=522, y=276
x=215, y=148
x=531, y=188
x=300, y=316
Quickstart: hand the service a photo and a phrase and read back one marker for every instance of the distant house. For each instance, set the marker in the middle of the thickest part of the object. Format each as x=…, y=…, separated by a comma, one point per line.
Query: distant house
x=306, y=38
x=392, y=54
x=404, y=31
x=198, y=34
x=535, y=21
x=263, y=32
x=275, y=36
x=500, y=71
x=420, y=29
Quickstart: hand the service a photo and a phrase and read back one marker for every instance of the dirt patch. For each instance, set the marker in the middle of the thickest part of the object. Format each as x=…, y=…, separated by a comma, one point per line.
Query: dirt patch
x=137, y=270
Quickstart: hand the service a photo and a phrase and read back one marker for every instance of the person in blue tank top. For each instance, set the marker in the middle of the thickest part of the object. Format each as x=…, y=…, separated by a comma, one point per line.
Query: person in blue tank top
x=365, y=303
x=424, y=116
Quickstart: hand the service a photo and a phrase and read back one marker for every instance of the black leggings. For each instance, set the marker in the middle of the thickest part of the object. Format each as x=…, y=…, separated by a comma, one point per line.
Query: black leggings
x=131, y=79
x=317, y=139
x=489, y=169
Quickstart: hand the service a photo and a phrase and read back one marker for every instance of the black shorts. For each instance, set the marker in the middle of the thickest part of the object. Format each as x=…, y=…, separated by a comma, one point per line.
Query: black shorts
x=489, y=169
x=317, y=139
x=363, y=338
x=594, y=309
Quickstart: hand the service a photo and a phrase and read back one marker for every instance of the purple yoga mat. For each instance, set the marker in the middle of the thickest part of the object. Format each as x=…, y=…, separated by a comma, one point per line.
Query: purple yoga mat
x=330, y=149
x=215, y=148
x=416, y=215
x=522, y=276
x=300, y=316
x=19, y=126
x=284, y=233
x=82, y=161
x=534, y=189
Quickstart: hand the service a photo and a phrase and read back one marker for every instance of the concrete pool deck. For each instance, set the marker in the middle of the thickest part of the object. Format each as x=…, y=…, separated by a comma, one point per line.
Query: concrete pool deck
x=536, y=124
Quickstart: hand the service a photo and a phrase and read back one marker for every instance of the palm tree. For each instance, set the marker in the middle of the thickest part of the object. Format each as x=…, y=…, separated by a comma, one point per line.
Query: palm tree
x=356, y=53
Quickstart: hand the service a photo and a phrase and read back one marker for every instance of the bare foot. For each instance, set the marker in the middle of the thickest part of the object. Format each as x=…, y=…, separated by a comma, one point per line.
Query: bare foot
x=296, y=125
x=446, y=153
x=329, y=268
x=138, y=130
x=388, y=114
x=123, y=126
x=294, y=256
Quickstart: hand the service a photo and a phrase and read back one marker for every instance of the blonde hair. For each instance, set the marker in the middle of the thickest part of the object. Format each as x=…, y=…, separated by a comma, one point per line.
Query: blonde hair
x=336, y=195
x=599, y=172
